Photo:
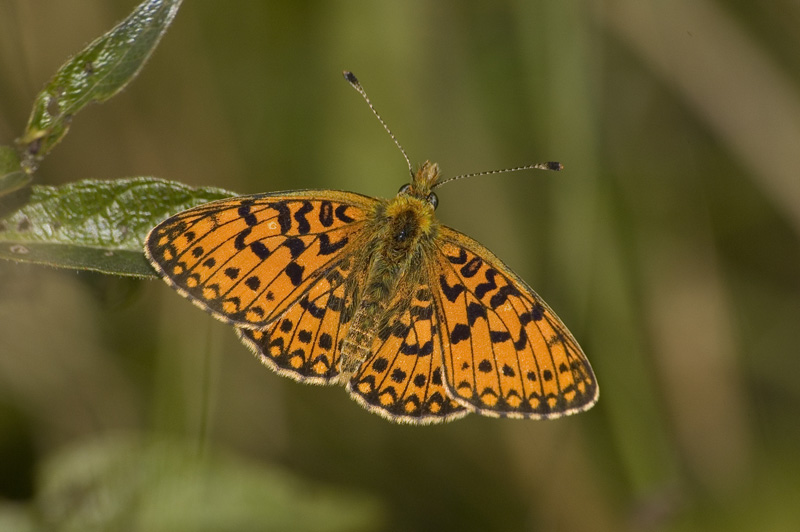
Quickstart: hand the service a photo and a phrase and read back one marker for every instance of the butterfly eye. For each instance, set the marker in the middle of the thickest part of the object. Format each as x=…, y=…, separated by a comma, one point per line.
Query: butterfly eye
x=404, y=189
x=433, y=199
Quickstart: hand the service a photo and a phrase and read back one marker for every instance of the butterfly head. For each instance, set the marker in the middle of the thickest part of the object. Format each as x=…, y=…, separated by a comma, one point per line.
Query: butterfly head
x=421, y=186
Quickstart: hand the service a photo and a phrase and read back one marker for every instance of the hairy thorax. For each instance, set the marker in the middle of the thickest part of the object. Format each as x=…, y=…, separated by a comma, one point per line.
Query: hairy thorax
x=407, y=224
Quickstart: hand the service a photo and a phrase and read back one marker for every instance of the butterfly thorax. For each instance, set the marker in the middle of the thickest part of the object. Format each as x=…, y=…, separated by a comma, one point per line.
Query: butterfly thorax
x=405, y=227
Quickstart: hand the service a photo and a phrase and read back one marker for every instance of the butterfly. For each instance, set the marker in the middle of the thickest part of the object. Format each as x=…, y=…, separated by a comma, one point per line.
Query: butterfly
x=420, y=322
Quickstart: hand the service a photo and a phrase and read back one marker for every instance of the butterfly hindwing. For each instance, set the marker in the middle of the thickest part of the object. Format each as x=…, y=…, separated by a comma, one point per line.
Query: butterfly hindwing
x=506, y=353
x=403, y=379
x=246, y=260
x=304, y=342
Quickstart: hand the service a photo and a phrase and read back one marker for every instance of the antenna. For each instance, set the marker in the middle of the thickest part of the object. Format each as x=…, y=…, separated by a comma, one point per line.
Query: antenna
x=353, y=81
x=550, y=165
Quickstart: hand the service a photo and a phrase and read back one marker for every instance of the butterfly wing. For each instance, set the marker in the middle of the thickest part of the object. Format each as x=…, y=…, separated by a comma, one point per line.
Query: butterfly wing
x=506, y=353
x=248, y=259
x=304, y=343
x=403, y=379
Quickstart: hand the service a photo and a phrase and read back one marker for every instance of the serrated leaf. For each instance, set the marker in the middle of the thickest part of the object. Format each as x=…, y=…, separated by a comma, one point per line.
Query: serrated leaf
x=12, y=177
x=96, y=225
x=95, y=74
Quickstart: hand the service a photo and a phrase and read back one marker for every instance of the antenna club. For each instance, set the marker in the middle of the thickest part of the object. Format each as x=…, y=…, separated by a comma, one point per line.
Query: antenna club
x=553, y=165
x=350, y=77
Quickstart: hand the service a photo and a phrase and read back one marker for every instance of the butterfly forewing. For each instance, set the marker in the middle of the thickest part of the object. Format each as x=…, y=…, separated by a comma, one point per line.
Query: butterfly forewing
x=403, y=380
x=505, y=352
x=248, y=259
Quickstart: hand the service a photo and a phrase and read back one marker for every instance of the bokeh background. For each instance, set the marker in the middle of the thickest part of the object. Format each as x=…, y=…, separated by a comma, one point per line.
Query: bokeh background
x=669, y=245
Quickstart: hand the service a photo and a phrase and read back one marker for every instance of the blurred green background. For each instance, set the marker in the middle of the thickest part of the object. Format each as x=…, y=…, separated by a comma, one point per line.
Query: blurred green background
x=669, y=245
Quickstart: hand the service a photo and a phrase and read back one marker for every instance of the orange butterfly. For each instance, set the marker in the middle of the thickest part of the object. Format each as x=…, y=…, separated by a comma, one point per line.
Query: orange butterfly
x=421, y=323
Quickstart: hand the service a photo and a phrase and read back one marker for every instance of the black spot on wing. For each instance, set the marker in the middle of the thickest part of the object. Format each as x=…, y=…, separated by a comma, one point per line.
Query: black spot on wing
x=450, y=292
x=259, y=250
x=472, y=267
x=421, y=313
x=248, y=217
x=461, y=259
x=303, y=227
x=326, y=247
x=238, y=243
x=535, y=314
x=284, y=216
x=326, y=214
x=295, y=273
x=502, y=295
x=460, y=332
x=325, y=341
x=335, y=303
x=522, y=341
x=483, y=288
x=499, y=336
x=399, y=330
x=296, y=246
x=311, y=308
x=426, y=349
x=409, y=349
x=475, y=311
x=342, y=215
x=380, y=364
x=253, y=283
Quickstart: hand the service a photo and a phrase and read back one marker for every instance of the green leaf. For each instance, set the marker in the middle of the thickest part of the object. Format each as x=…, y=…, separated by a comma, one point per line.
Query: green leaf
x=96, y=225
x=12, y=177
x=97, y=73
x=121, y=483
